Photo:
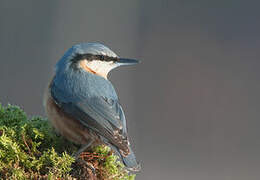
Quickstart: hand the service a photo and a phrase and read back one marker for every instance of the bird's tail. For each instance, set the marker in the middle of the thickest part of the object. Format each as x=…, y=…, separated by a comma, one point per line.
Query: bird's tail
x=129, y=160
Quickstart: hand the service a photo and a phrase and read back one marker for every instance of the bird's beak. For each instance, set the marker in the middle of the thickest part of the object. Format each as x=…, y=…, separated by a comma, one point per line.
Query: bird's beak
x=124, y=61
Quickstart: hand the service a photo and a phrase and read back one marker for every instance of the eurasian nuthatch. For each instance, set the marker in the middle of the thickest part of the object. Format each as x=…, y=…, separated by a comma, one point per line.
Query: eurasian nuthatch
x=82, y=104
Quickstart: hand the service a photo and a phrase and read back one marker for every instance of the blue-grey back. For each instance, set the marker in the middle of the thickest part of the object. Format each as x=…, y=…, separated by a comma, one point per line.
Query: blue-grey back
x=77, y=83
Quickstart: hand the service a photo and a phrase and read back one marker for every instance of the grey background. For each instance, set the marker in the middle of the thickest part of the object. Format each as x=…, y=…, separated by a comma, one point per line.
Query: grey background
x=192, y=104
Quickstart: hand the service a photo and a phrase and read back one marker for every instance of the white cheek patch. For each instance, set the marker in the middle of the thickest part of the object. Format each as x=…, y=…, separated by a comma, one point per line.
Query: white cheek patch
x=100, y=67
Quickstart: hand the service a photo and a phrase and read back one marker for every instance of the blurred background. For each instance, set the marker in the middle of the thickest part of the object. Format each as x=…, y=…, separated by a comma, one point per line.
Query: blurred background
x=192, y=105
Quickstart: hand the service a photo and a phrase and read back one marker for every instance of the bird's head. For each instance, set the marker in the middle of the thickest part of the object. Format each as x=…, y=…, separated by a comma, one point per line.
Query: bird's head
x=92, y=57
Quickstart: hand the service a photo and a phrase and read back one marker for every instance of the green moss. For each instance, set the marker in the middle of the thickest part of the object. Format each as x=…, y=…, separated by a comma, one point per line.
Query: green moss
x=30, y=149
x=109, y=166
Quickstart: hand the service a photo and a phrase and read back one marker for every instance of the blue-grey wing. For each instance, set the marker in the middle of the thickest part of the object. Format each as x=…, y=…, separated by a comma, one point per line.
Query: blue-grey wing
x=105, y=111
x=101, y=114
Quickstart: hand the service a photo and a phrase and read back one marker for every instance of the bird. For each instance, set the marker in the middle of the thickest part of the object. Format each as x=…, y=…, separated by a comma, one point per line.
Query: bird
x=82, y=104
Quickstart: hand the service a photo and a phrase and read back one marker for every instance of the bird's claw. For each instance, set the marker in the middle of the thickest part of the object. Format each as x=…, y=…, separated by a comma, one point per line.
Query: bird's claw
x=89, y=165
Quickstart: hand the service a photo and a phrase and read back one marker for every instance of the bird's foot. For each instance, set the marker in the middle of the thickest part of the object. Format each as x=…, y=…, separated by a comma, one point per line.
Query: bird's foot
x=88, y=165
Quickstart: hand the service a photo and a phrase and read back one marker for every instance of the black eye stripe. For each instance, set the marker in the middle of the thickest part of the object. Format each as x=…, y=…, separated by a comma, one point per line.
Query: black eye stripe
x=91, y=57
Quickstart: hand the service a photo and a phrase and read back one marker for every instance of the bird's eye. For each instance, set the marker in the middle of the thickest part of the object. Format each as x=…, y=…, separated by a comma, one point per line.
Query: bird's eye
x=101, y=57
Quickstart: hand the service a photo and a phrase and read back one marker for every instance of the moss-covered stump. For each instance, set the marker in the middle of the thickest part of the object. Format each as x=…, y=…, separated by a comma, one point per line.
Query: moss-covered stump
x=30, y=149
